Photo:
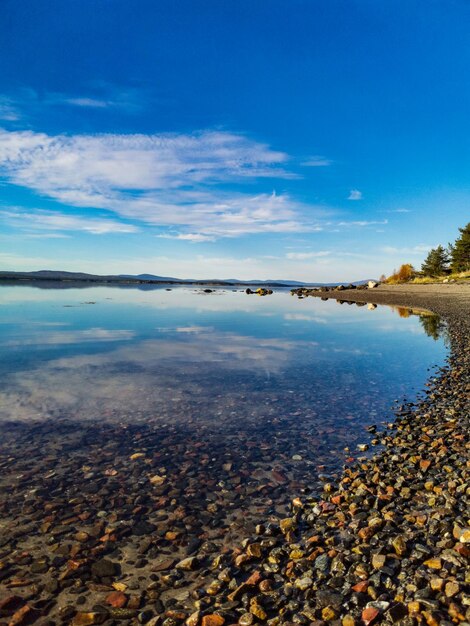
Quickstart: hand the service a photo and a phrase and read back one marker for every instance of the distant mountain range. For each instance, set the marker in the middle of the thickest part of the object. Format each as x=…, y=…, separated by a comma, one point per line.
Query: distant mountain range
x=53, y=275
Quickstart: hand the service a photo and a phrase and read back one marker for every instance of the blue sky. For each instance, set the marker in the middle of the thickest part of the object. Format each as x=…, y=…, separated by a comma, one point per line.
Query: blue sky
x=311, y=140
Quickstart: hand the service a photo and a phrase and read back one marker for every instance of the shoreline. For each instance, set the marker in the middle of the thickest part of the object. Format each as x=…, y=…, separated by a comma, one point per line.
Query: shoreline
x=390, y=542
x=335, y=553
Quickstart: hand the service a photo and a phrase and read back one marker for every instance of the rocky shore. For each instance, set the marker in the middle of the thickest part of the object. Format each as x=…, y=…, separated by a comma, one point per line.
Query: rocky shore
x=387, y=541
x=390, y=542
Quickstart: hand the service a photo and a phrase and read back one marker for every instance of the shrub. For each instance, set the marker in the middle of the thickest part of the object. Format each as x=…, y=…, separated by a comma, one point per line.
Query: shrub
x=404, y=274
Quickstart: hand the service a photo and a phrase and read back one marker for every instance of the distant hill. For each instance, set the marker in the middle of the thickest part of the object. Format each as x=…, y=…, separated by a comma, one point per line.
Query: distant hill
x=148, y=277
x=57, y=275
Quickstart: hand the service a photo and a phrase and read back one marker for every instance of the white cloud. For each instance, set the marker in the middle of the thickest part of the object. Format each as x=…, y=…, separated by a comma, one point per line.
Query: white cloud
x=93, y=103
x=43, y=235
x=355, y=194
x=8, y=110
x=302, y=256
x=99, y=164
x=362, y=223
x=103, y=95
x=164, y=180
x=417, y=250
x=51, y=220
x=192, y=237
x=317, y=161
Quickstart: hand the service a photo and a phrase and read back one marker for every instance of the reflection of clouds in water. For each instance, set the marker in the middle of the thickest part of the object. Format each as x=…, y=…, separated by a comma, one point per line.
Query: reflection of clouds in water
x=184, y=329
x=356, y=351
x=302, y=317
x=142, y=376
x=403, y=328
x=185, y=360
x=72, y=337
x=204, y=345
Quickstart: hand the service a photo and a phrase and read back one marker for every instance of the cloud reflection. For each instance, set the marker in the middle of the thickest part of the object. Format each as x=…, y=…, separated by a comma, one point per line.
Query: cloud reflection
x=149, y=375
x=72, y=337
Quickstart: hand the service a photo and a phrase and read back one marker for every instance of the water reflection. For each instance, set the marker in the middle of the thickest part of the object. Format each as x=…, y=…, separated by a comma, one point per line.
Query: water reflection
x=127, y=352
x=431, y=323
x=234, y=402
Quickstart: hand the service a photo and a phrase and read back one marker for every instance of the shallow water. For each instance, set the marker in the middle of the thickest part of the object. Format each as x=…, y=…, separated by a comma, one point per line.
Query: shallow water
x=125, y=354
x=224, y=359
x=174, y=421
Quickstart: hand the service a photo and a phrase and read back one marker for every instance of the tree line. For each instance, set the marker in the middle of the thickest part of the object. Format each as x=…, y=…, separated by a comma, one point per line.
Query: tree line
x=455, y=258
x=440, y=261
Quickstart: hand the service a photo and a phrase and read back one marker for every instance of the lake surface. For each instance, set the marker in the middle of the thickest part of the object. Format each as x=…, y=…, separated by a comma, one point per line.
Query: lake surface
x=198, y=414
x=126, y=354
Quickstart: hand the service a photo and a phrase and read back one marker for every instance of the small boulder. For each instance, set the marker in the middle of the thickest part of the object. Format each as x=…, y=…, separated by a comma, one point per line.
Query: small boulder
x=104, y=568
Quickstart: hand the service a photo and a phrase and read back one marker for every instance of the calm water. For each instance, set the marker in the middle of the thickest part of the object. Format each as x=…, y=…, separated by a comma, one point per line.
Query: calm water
x=241, y=400
x=174, y=421
x=102, y=353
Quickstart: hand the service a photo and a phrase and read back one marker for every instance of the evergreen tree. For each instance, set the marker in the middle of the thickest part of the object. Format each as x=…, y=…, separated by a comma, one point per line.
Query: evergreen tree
x=436, y=263
x=461, y=251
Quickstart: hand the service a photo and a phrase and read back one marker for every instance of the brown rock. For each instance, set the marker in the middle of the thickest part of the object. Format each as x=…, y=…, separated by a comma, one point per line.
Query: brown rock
x=366, y=533
x=20, y=616
x=451, y=588
x=88, y=619
x=171, y=535
x=456, y=612
x=432, y=619
x=265, y=586
x=178, y=616
x=437, y=584
x=328, y=614
x=254, y=579
x=254, y=550
x=213, y=620
x=414, y=608
x=399, y=545
x=369, y=615
x=378, y=561
x=81, y=536
x=287, y=524
x=257, y=610
x=240, y=559
x=462, y=549
x=424, y=465
x=117, y=599
x=162, y=565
